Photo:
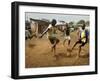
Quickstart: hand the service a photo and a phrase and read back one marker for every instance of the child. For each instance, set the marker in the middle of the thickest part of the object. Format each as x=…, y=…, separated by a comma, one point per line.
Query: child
x=51, y=34
x=27, y=33
x=82, y=39
x=67, y=34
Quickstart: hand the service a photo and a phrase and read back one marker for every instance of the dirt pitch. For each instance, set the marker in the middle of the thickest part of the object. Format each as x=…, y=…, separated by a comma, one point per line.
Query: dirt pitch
x=38, y=53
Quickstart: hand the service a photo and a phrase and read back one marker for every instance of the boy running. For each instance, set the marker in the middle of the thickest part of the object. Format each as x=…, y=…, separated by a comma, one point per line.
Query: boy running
x=66, y=34
x=82, y=39
x=51, y=34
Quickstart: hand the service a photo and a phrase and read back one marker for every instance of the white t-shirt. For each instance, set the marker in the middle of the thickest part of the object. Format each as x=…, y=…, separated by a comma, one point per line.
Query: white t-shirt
x=51, y=31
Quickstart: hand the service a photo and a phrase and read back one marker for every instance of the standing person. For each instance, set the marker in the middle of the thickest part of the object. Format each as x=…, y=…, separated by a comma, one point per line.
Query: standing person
x=82, y=33
x=51, y=34
x=28, y=33
x=67, y=34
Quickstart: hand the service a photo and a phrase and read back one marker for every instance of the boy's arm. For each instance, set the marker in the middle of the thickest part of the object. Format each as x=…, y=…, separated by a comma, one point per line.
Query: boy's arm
x=44, y=32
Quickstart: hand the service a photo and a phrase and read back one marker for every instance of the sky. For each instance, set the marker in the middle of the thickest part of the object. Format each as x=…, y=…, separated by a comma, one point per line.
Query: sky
x=58, y=17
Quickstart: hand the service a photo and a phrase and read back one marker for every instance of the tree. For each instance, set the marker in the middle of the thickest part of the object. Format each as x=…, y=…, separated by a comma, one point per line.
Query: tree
x=71, y=24
x=81, y=22
x=87, y=23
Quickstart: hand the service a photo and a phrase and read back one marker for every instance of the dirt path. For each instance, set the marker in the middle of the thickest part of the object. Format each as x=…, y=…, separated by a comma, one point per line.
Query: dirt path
x=38, y=53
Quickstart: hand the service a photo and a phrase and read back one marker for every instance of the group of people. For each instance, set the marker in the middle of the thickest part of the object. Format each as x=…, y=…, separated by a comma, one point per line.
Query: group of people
x=52, y=36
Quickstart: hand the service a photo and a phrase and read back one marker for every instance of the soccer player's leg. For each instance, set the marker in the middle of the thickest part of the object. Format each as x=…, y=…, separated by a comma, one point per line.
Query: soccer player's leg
x=79, y=41
x=51, y=41
x=56, y=41
x=69, y=39
x=80, y=48
x=64, y=42
x=69, y=42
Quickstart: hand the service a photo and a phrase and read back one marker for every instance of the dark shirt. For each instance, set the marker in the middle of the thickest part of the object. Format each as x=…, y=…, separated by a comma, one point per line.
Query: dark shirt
x=67, y=31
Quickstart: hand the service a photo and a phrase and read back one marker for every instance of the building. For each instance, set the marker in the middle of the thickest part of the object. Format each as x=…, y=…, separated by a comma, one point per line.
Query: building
x=38, y=26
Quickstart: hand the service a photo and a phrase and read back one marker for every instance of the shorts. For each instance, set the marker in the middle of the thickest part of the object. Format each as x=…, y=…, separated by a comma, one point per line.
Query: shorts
x=67, y=37
x=82, y=43
x=53, y=40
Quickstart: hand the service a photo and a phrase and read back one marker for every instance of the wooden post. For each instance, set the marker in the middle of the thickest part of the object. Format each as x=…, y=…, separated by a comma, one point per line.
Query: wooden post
x=37, y=29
